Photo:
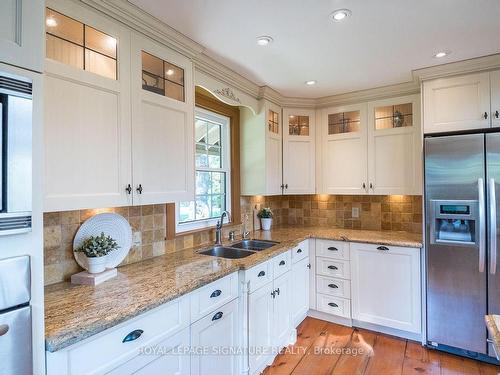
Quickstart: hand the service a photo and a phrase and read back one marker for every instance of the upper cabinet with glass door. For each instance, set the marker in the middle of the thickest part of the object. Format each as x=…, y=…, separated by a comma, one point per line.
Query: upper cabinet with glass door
x=162, y=123
x=86, y=107
x=394, y=146
x=299, y=151
x=341, y=141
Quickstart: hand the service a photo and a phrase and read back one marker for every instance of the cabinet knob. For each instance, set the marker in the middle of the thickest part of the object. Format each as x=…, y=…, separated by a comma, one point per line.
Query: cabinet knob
x=128, y=189
x=497, y=114
x=485, y=115
x=333, y=286
x=261, y=273
x=218, y=315
x=371, y=185
x=299, y=251
x=364, y=186
x=383, y=248
x=139, y=189
x=331, y=304
x=282, y=263
x=134, y=335
x=216, y=293
x=286, y=186
x=333, y=267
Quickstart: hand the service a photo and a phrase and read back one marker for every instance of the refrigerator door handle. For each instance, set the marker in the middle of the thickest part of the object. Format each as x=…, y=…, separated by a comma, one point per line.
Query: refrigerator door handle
x=493, y=226
x=482, y=231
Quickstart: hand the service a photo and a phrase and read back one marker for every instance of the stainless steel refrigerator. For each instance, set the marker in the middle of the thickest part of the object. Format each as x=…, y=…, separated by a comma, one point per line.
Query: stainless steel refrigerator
x=462, y=184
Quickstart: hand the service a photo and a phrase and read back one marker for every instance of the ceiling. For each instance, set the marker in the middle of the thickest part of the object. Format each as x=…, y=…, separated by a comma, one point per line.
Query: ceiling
x=379, y=45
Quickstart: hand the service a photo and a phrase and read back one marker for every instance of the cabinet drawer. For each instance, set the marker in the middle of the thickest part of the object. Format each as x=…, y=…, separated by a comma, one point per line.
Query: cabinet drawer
x=108, y=350
x=210, y=297
x=282, y=263
x=259, y=275
x=300, y=251
x=332, y=249
x=333, y=267
x=333, y=287
x=334, y=305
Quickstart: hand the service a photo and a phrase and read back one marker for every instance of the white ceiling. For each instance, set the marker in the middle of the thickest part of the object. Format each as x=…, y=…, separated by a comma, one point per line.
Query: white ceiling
x=380, y=44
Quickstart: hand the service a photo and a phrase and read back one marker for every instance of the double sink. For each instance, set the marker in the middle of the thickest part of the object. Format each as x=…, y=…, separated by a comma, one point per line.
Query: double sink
x=240, y=249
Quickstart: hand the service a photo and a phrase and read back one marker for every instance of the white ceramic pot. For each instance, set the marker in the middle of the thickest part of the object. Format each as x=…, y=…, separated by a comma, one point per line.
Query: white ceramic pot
x=96, y=264
x=265, y=223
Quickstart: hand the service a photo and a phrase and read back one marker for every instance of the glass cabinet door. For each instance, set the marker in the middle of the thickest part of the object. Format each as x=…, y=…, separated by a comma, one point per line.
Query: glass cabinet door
x=273, y=122
x=298, y=125
x=344, y=122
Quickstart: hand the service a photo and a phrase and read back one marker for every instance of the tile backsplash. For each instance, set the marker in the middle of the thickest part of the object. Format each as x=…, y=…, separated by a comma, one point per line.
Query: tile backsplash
x=375, y=212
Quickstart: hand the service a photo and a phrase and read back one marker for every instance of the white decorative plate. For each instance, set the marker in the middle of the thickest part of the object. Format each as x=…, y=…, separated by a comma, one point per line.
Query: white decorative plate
x=111, y=224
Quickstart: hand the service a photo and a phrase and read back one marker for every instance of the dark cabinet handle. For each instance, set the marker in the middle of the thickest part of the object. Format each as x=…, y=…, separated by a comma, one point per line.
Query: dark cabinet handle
x=309, y=266
x=282, y=263
x=277, y=291
x=485, y=115
x=383, y=248
x=286, y=186
x=139, y=189
x=134, y=335
x=371, y=185
x=282, y=186
x=333, y=248
x=299, y=251
x=273, y=294
x=128, y=189
x=4, y=328
x=217, y=316
x=364, y=186
x=261, y=273
x=333, y=267
x=333, y=286
x=333, y=304
x=216, y=293
x=497, y=114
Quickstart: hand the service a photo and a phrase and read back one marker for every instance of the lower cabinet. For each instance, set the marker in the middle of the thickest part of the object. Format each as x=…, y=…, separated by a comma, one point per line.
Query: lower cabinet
x=386, y=286
x=282, y=323
x=299, y=299
x=211, y=339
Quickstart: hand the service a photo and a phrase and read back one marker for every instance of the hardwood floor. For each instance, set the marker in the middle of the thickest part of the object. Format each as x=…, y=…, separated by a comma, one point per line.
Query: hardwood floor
x=326, y=348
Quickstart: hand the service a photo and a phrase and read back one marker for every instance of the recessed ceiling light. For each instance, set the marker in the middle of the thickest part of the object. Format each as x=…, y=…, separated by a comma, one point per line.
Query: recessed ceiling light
x=310, y=83
x=51, y=22
x=340, y=14
x=264, y=40
x=441, y=54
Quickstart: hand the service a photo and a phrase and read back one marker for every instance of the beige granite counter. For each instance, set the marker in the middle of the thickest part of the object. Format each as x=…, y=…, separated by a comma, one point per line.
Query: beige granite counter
x=76, y=312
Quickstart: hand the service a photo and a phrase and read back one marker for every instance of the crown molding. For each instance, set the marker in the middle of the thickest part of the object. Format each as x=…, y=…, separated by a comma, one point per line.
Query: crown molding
x=477, y=64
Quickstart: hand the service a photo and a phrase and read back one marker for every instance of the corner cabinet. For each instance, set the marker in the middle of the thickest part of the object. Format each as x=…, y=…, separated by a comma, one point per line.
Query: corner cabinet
x=261, y=151
x=162, y=123
x=386, y=286
x=299, y=151
x=21, y=33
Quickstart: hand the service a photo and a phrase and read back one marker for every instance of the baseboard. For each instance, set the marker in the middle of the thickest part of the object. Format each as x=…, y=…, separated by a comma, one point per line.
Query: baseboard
x=330, y=318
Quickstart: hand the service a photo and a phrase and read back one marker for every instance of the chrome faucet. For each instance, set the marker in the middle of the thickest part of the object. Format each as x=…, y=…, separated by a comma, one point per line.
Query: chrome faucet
x=218, y=227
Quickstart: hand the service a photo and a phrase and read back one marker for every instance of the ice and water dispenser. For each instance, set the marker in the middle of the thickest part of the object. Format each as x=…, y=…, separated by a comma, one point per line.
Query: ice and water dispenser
x=454, y=222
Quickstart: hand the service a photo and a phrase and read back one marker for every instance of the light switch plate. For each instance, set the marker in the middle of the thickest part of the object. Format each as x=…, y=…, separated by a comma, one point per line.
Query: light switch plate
x=355, y=212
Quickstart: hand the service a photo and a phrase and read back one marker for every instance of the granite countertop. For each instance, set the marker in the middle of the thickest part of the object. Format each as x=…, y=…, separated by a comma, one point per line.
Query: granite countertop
x=493, y=324
x=76, y=312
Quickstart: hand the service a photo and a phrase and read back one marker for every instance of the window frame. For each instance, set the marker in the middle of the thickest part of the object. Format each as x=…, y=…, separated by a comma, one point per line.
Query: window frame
x=226, y=168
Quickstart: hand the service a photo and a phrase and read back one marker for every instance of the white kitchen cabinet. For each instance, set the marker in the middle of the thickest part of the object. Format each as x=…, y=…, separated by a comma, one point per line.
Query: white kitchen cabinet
x=394, y=146
x=214, y=333
x=87, y=131
x=261, y=151
x=299, y=300
x=162, y=127
x=342, y=160
x=495, y=98
x=282, y=323
x=386, y=286
x=299, y=151
x=457, y=103
x=22, y=33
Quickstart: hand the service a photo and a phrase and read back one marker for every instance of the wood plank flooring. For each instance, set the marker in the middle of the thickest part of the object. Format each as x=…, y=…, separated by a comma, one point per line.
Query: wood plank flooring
x=325, y=348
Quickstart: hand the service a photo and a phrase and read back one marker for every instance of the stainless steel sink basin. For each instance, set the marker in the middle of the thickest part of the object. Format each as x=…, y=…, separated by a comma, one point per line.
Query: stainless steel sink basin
x=227, y=252
x=255, y=245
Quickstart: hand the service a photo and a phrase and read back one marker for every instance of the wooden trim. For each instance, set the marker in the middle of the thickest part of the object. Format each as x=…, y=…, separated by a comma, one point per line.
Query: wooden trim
x=205, y=100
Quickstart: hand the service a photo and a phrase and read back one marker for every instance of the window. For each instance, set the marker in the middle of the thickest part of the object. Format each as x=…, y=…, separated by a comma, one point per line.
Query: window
x=212, y=181
x=162, y=77
x=74, y=43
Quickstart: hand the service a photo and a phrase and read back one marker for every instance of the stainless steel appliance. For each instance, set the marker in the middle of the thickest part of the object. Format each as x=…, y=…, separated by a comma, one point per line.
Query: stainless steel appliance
x=15, y=317
x=15, y=154
x=462, y=181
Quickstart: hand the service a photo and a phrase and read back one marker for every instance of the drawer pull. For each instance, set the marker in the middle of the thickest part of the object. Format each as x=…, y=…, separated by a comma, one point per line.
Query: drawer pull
x=216, y=293
x=261, y=273
x=282, y=263
x=134, y=335
x=299, y=251
x=217, y=316
x=333, y=304
x=333, y=286
x=333, y=248
x=333, y=267
x=4, y=328
x=383, y=248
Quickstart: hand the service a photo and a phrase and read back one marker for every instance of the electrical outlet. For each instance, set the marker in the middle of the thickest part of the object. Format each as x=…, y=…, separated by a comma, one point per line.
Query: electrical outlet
x=137, y=238
x=355, y=212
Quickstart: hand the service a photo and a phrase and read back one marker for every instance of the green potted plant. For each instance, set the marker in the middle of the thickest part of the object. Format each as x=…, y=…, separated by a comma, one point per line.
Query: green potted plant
x=266, y=218
x=95, y=249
